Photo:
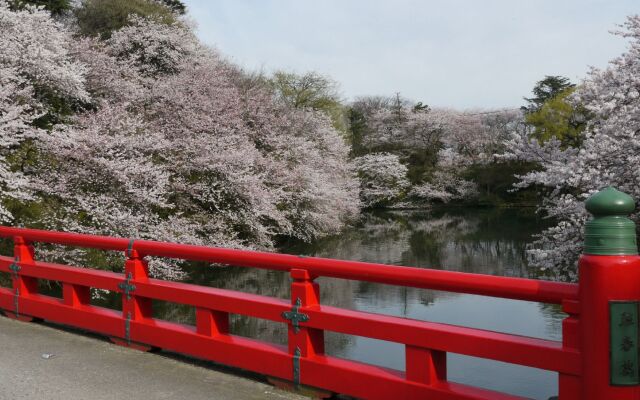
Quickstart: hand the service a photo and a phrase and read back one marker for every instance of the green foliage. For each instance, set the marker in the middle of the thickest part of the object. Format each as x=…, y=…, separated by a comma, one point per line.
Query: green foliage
x=176, y=5
x=421, y=107
x=495, y=183
x=102, y=17
x=558, y=118
x=546, y=89
x=313, y=91
x=23, y=157
x=57, y=108
x=357, y=129
x=421, y=164
x=56, y=7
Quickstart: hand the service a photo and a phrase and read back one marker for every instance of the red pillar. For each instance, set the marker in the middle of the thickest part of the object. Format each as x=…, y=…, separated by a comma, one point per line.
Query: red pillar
x=23, y=286
x=303, y=341
x=609, y=276
x=135, y=309
x=604, y=279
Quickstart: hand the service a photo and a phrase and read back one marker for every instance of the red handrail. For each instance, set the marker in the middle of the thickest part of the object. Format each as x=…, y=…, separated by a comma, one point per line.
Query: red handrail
x=460, y=282
x=303, y=361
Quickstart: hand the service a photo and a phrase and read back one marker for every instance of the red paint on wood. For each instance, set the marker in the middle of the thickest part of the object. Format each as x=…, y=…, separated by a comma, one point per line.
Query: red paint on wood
x=602, y=279
x=212, y=323
x=496, y=286
x=425, y=365
x=75, y=295
x=310, y=341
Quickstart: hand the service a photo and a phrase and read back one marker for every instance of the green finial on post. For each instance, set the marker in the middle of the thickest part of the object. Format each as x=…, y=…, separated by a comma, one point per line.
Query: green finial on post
x=610, y=232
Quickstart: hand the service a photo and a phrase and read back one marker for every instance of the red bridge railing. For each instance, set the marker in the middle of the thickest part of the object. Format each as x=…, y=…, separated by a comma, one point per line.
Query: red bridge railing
x=581, y=359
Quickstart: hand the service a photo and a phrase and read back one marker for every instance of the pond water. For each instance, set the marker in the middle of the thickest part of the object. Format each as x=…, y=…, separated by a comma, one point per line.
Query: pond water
x=469, y=240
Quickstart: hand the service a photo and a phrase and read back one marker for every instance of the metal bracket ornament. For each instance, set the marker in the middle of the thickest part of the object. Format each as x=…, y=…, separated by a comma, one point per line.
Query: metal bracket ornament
x=296, y=367
x=127, y=287
x=130, y=248
x=127, y=328
x=295, y=316
x=15, y=269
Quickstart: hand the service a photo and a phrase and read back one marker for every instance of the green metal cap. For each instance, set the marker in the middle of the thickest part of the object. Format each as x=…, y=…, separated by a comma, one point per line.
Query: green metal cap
x=610, y=232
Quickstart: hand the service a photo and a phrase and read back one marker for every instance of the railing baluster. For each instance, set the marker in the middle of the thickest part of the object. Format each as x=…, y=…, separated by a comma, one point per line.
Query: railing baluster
x=425, y=365
x=75, y=295
x=134, y=308
x=23, y=286
x=211, y=323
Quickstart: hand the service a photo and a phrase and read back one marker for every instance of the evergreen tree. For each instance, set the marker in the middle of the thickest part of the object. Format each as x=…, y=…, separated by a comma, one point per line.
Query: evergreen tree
x=102, y=17
x=176, y=5
x=561, y=118
x=56, y=7
x=546, y=89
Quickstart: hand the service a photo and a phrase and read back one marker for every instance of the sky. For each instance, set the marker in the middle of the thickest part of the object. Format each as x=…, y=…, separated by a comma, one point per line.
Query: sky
x=456, y=53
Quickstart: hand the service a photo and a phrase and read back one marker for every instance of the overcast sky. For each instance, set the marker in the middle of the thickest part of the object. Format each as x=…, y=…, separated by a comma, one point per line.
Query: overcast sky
x=455, y=53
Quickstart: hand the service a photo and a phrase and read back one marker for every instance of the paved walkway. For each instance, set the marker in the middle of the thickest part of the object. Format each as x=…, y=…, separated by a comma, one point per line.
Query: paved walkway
x=87, y=368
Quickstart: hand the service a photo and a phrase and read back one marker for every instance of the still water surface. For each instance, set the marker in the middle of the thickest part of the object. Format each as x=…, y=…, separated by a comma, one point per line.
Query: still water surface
x=469, y=240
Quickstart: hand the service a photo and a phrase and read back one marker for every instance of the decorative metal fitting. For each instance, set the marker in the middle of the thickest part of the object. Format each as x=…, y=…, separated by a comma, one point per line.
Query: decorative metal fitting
x=127, y=328
x=610, y=232
x=127, y=287
x=296, y=367
x=15, y=269
x=295, y=316
x=129, y=251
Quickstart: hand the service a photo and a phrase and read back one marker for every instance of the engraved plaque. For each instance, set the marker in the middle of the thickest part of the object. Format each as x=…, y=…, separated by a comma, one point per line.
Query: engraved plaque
x=623, y=325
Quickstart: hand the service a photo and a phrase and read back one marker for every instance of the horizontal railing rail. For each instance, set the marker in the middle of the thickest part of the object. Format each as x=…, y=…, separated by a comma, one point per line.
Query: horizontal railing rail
x=459, y=282
x=303, y=360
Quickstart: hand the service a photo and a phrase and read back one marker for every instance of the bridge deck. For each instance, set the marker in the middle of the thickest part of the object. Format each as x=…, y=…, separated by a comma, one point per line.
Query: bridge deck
x=84, y=367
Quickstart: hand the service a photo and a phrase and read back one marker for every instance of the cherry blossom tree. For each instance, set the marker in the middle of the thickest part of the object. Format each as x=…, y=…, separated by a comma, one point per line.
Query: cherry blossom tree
x=17, y=112
x=35, y=65
x=383, y=179
x=174, y=146
x=608, y=155
x=437, y=145
x=446, y=183
x=399, y=124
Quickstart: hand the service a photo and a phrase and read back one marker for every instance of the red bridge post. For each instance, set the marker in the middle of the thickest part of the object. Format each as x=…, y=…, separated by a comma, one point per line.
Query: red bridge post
x=134, y=308
x=609, y=276
x=22, y=285
x=304, y=293
x=304, y=342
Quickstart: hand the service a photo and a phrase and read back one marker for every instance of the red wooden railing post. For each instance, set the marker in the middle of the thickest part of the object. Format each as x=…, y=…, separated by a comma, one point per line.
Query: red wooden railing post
x=23, y=286
x=425, y=365
x=211, y=322
x=303, y=341
x=609, y=275
x=134, y=308
x=75, y=295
